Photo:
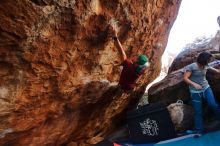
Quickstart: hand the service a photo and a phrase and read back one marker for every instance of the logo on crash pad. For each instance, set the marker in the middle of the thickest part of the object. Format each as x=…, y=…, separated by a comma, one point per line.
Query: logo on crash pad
x=149, y=127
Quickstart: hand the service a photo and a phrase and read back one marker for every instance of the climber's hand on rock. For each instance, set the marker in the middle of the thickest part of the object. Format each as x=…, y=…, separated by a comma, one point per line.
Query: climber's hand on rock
x=115, y=32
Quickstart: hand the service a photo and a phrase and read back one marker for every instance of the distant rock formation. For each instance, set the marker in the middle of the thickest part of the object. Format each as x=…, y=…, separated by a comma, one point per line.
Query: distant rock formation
x=59, y=66
x=191, y=51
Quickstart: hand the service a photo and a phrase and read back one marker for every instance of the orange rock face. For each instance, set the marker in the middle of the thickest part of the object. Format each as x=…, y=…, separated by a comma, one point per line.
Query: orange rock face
x=59, y=66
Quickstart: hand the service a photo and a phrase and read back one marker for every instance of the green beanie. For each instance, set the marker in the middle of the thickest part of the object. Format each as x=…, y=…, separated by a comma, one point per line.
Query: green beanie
x=142, y=59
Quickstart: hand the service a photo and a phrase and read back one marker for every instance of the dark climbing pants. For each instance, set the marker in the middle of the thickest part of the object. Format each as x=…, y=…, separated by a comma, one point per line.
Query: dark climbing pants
x=197, y=105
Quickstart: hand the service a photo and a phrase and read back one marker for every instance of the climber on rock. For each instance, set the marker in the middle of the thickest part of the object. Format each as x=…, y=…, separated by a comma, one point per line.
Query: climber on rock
x=132, y=69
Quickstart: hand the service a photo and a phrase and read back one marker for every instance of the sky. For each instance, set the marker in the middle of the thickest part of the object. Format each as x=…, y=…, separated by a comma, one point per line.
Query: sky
x=195, y=18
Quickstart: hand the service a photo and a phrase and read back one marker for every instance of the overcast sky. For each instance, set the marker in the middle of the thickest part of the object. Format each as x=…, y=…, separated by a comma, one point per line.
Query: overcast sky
x=196, y=18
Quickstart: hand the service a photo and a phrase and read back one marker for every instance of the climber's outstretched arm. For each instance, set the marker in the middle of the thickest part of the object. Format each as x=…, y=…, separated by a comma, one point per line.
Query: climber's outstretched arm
x=120, y=47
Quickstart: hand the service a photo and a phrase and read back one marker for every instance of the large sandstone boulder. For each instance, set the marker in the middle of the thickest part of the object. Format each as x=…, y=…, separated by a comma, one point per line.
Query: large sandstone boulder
x=59, y=66
x=172, y=87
